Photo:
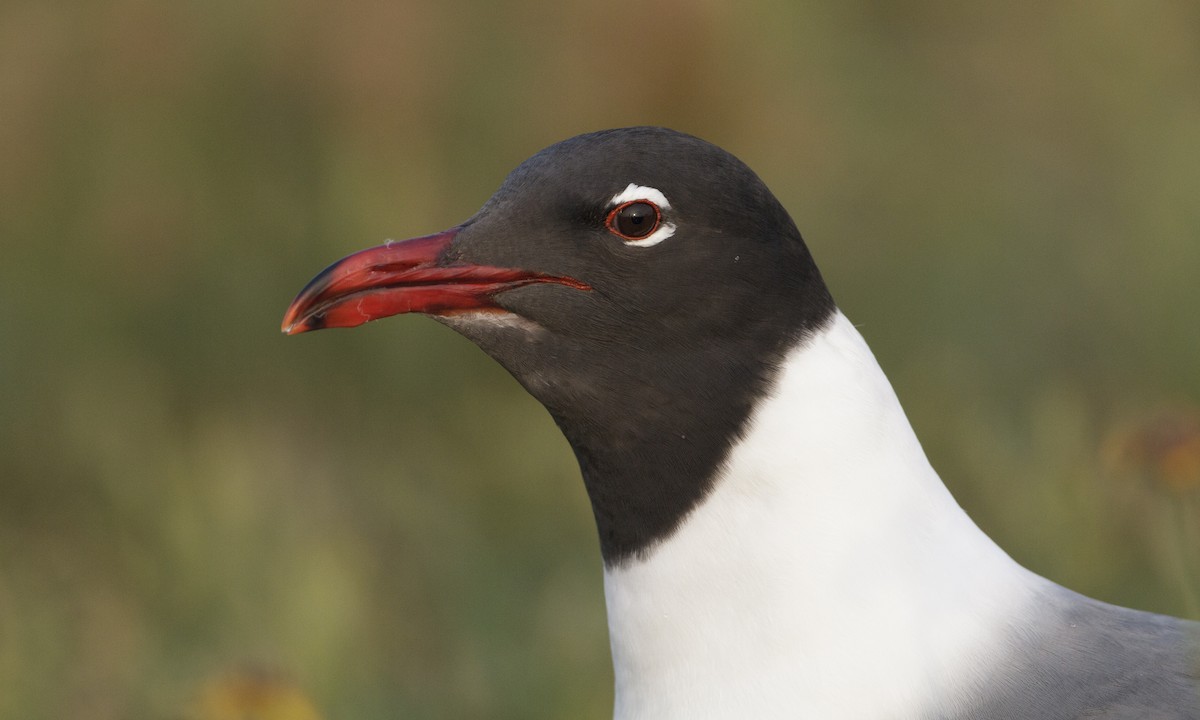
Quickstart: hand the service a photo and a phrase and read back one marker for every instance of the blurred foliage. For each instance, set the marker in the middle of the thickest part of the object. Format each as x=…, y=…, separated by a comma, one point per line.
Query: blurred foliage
x=1005, y=197
x=252, y=695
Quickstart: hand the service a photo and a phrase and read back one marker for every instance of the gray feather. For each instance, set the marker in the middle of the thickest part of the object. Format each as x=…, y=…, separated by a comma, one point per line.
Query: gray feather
x=1081, y=658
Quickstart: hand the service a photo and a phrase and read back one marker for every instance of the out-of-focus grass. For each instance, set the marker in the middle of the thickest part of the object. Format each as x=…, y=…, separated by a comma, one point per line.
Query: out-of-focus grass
x=1004, y=198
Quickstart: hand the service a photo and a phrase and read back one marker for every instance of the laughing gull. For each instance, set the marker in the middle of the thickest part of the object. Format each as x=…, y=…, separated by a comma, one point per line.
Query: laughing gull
x=775, y=542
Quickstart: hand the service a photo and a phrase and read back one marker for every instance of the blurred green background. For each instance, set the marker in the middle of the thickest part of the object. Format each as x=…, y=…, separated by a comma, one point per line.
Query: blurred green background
x=199, y=516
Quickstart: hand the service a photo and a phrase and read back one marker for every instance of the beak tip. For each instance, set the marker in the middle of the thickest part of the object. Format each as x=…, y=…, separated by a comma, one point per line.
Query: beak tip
x=297, y=322
x=293, y=325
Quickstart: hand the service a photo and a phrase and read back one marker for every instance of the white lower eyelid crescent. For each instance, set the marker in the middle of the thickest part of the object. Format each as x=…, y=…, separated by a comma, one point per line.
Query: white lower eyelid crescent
x=664, y=231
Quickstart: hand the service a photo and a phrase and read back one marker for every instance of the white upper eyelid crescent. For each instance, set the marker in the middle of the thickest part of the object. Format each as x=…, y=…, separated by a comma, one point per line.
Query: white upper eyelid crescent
x=641, y=192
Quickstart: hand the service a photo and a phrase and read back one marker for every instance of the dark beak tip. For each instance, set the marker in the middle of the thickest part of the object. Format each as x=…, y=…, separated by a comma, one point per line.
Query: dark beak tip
x=297, y=326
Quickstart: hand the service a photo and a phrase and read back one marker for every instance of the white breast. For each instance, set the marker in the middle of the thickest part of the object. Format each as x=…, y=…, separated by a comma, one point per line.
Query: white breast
x=829, y=574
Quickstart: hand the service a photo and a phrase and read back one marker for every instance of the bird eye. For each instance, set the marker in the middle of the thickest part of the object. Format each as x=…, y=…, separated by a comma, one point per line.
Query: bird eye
x=633, y=220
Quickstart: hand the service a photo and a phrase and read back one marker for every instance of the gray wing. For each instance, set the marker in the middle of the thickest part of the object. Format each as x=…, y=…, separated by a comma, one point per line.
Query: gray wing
x=1076, y=657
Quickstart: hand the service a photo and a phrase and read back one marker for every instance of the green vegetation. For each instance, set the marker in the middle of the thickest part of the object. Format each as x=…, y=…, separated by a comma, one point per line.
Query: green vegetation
x=1005, y=198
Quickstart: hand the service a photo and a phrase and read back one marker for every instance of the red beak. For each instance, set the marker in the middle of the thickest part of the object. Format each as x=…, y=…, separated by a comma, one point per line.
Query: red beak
x=402, y=277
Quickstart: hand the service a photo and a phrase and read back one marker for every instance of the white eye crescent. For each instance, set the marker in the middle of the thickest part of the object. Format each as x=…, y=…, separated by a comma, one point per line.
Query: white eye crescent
x=636, y=216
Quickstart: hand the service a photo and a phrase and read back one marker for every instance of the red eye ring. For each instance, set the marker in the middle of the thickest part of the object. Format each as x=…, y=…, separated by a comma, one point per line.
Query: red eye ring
x=628, y=220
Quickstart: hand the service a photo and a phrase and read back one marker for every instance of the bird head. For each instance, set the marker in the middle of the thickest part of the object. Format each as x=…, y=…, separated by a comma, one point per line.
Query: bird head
x=638, y=268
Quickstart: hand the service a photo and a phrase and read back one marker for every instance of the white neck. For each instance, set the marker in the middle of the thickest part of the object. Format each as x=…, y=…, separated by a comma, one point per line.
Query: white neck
x=829, y=574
